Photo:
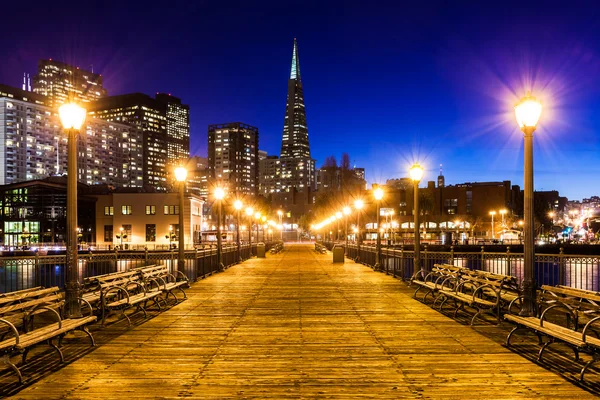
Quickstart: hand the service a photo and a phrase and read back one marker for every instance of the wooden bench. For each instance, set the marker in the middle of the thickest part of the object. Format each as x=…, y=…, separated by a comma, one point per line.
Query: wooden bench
x=319, y=248
x=158, y=277
x=482, y=291
x=17, y=314
x=432, y=282
x=119, y=291
x=573, y=304
x=15, y=306
x=276, y=248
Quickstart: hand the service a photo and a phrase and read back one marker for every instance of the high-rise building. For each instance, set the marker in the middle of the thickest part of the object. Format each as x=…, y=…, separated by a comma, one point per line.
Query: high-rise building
x=60, y=82
x=164, y=122
x=297, y=166
x=178, y=128
x=197, y=177
x=269, y=180
x=34, y=145
x=233, y=156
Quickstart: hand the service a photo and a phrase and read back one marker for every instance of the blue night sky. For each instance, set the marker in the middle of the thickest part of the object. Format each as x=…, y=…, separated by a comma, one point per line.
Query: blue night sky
x=390, y=84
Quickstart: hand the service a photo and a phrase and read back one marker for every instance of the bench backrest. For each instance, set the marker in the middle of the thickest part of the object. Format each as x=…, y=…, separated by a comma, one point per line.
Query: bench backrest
x=153, y=271
x=577, y=299
x=26, y=301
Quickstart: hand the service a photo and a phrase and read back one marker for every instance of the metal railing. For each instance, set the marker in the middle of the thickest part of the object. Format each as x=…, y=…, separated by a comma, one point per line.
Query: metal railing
x=23, y=272
x=578, y=271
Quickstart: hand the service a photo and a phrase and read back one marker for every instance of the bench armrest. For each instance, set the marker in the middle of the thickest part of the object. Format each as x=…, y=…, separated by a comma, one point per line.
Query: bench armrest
x=182, y=275
x=44, y=307
x=12, y=328
x=156, y=282
x=480, y=288
x=114, y=289
x=557, y=305
x=88, y=304
x=520, y=297
x=587, y=326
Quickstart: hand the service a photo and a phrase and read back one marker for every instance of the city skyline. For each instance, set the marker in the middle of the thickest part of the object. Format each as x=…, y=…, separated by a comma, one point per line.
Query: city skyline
x=433, y=86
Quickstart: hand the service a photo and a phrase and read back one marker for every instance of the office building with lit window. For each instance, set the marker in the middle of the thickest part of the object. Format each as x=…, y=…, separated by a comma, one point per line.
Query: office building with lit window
x=178, y=128
x=34, y=145
x=164, y=122
x=233, y=156
x=60, y=82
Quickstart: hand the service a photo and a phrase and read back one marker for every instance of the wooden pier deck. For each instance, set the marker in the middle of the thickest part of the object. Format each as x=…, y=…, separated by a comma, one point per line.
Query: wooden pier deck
x=295, y=326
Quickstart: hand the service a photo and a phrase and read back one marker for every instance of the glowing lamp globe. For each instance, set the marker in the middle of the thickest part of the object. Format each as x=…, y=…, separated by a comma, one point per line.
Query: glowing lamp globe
x=238, y=205
x=249, y=211
x=347, y=210
x=71, y=116
x=528, y=112
x=359, y=204
x=416, y=173
x=219, y=193
x=180, y=174
x=378, y=194
x=338, y=215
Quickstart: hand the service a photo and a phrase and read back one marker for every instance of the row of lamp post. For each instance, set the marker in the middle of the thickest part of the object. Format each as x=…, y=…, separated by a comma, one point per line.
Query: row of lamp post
x=72, y=117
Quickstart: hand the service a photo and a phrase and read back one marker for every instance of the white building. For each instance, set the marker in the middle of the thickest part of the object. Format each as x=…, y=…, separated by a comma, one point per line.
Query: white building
x=146, y=219
x=33, y=144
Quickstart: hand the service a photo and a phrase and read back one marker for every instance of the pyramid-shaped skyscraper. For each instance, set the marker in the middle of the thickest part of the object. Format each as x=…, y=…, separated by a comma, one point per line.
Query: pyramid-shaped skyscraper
x=297, y=166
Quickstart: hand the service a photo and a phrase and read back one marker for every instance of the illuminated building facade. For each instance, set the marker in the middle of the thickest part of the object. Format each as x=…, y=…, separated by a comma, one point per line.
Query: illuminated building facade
x=178, y=128
x=164, y=122
x=233, y=156
x=269, y=175
x=297, y=166
x=59, y=82
x=34, y=145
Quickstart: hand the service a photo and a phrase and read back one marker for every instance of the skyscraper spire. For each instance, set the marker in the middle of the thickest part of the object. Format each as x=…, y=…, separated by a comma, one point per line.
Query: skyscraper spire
x=295, y=72
x=295, y=149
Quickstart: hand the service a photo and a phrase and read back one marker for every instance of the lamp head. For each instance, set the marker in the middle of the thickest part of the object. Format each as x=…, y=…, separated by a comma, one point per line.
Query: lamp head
x=338, y=215
x=263, y=218
x=180, y=174
x=492, y=212
x=238, y=205
x=347, y=210
x=416, y=172
x=257, y=215
x=359, y=204
x=219, y=193
x=279, y=212
x=378, y=194
x=249, y=211
x=528, y=112
x=71, y=115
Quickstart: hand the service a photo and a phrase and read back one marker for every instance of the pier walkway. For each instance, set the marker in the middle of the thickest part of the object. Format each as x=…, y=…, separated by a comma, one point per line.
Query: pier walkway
x=296, y=326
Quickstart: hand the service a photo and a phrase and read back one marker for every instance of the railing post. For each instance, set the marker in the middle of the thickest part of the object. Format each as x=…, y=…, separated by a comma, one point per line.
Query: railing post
x=425, y=265
x=146, y=255
x=508, y=263
x=402, y=260
x=116, y=260
x=452, y=254
x=561, y=267
x=482, y=266
x=36, y=266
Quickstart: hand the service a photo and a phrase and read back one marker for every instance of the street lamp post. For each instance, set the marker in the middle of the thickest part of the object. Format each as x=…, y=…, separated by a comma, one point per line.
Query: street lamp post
x=338, y=216
x=264, y=219
x=527, y=113
x=180, y=176
x=72, y=118
x=358, y=204
x=219, y=195
x=378, y=194
x=502, y=213
x=257, y=216
x=249, y=214
x=492, y=213
x=238, y=207
x=347, y=211
x=416, y=174
x=280, y=215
